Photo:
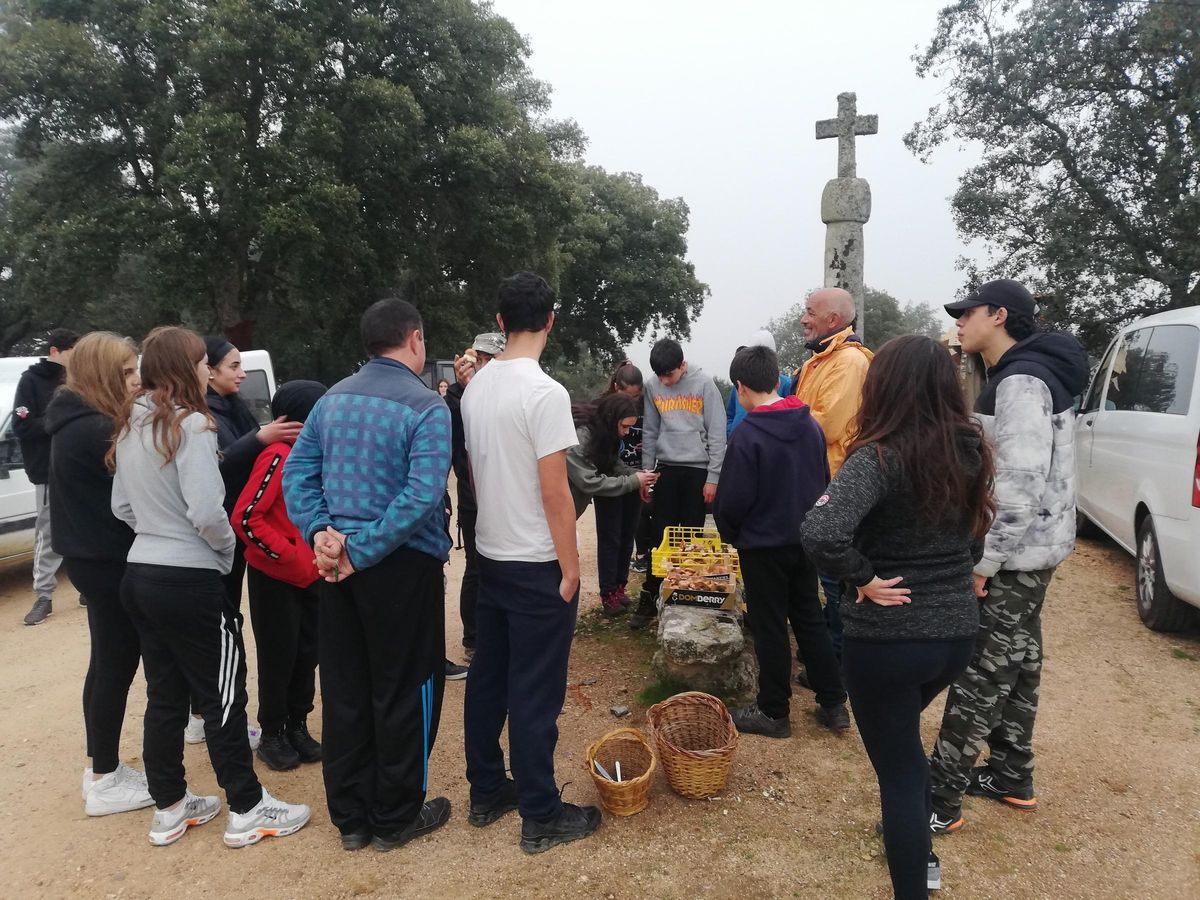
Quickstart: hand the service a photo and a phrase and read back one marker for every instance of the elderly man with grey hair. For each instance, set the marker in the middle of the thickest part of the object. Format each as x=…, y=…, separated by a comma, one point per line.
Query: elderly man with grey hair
x=830, y=382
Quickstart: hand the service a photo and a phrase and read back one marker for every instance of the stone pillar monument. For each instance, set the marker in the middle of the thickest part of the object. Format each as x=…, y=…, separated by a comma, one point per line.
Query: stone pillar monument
x=846, y=203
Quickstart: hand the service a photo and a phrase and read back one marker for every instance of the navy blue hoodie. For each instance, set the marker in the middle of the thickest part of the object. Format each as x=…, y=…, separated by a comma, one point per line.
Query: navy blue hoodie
x=775, y=469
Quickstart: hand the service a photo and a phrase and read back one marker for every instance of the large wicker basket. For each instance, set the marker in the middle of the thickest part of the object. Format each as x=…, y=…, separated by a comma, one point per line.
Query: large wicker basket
x=632, y=793
x=696, y=741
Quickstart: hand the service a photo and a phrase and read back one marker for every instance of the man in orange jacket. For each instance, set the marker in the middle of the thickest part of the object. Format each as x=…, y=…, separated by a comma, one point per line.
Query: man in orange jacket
x=830, y=382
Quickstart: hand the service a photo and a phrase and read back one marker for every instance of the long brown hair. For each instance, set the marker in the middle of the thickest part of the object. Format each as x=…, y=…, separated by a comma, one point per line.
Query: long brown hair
x=913, y=405
x=96, y=374
x=601, y=419
x=169, y=358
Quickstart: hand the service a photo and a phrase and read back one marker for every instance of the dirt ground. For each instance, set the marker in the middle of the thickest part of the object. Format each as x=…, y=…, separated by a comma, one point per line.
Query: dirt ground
x=1118, y=743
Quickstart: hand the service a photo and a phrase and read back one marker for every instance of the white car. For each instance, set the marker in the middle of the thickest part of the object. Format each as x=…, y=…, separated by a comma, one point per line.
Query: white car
x=17, y=508
x=1137, y=451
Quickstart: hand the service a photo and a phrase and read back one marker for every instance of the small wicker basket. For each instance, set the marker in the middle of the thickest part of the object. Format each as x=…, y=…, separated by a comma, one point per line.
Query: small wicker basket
x=696, y=741
x=631, y=794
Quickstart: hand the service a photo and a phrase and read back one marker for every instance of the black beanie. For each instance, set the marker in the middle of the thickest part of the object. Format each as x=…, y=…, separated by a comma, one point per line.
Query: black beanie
x=296, y=399
x=218, y=348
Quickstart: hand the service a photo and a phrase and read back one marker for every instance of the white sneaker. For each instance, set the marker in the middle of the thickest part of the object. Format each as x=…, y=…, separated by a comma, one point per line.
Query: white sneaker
x=194, y=733
x=270, y=818
x=86, y=784
x=117, y=792
x=168, y=827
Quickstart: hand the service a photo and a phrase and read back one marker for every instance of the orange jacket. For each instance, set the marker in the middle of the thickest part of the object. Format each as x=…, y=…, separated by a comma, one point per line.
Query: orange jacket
x=831, y=383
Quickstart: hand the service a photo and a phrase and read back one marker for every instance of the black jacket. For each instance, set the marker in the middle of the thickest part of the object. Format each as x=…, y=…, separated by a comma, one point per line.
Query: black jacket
x=237, y=437
x=34, y=391
x=80, y=484
x=775, y=469
x=459, y=461
x=869, y=523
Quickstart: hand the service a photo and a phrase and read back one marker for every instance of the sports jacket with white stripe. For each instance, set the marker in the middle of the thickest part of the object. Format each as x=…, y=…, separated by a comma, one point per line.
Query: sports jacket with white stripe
x=1027, y=413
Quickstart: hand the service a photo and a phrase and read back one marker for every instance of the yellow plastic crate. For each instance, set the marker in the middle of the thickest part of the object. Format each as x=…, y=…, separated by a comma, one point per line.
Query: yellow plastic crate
x=696, y=550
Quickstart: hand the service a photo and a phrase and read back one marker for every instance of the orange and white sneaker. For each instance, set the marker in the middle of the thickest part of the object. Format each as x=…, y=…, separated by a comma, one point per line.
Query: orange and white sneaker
x=270, y=818
x=984, y=783
x=169, y=825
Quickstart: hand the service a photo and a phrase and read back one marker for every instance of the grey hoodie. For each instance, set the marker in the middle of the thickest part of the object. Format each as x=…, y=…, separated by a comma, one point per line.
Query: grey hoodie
x=175, y=509
x=684, y=424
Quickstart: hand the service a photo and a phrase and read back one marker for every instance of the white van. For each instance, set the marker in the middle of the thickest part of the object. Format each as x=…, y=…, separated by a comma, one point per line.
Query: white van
x=18, y=511
x=17, y=507
x=1137, y=452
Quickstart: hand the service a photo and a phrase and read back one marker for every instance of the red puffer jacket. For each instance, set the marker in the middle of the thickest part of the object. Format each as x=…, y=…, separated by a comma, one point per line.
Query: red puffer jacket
x=274, y=545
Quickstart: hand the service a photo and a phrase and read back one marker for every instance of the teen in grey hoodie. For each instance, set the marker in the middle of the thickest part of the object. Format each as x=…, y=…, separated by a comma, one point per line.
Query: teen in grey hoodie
x=167, y=487
x=683, y=437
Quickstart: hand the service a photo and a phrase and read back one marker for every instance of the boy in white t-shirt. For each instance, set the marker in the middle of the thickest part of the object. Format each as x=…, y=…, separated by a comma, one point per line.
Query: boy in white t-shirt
x=518, y=427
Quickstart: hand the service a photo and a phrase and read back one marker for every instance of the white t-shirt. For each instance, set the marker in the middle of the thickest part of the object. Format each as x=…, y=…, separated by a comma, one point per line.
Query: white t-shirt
x=514, y=414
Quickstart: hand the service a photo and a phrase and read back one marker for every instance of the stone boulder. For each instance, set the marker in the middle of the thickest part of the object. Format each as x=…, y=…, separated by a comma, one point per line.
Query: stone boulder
x=706, y=650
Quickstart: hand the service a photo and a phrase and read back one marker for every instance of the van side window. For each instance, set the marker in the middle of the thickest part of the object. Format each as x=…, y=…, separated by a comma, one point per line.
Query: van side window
x=256, y=394
x=1091, y=402
x=1169, y=370
x=10, y=447
x=1126, y=370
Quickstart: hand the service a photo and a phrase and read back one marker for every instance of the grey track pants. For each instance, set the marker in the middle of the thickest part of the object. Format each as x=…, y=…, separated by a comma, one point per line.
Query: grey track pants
x=45, y=560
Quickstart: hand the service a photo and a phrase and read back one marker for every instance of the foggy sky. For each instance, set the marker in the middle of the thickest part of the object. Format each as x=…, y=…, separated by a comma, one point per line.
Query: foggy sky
x=716, y=103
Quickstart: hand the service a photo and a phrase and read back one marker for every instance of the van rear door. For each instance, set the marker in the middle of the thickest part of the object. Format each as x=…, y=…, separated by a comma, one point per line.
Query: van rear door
x=18, y=508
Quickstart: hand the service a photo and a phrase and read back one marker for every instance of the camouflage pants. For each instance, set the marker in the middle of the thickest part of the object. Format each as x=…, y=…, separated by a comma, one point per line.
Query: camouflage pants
x=995, y=700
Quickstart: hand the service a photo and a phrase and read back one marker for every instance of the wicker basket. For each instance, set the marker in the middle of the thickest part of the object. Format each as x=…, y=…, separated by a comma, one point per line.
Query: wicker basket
x=696, y=741
x=632, y=793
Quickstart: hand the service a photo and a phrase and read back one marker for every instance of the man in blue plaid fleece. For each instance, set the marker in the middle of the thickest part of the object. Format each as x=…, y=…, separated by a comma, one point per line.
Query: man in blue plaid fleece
x=364, y=485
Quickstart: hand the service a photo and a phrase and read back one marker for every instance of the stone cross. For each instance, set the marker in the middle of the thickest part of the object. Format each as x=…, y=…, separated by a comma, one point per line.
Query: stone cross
x=846, y=203
x=847, y=124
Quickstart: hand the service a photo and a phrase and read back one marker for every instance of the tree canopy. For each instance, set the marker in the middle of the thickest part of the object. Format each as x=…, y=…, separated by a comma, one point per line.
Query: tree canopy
x=887, y=318
x=1088, y=114
x=271, y=167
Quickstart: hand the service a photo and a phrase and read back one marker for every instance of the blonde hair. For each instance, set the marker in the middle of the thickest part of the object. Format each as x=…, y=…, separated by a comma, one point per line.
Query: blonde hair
x=170, y=355
x=96, y=374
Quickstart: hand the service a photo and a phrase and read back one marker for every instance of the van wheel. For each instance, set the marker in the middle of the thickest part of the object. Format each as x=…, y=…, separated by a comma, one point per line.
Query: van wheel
x=1159, y=608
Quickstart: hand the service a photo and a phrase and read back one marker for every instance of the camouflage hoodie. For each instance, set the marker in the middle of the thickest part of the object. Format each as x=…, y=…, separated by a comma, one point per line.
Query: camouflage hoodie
x=1027, y=412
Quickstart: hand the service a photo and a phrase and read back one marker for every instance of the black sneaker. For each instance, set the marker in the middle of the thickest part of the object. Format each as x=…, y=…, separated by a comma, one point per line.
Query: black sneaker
x=434, y=814
x=945, y=819
x=985, y=783
x=276, y=751
x=645, y=613
x=357, y=839
x=640, y=564
x=571, y=824
x=305, y=745
x=503, y=802
x=752, y=720
x=42, y=610
x=83, y=601
x=455, y=672
x=835, y=718
x=933, y=880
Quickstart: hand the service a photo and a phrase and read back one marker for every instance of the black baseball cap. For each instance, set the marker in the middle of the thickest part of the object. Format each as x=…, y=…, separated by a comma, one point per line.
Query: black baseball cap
x=1001, y=293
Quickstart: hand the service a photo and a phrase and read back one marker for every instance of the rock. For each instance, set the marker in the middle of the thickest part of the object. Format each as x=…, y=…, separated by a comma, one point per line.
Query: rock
x=735, y=680
x=690, y=635
x=619, y=711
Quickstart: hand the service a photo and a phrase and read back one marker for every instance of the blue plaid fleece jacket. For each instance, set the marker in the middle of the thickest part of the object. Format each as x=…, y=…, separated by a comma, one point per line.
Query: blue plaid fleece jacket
x=372, y=461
